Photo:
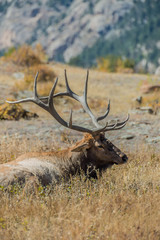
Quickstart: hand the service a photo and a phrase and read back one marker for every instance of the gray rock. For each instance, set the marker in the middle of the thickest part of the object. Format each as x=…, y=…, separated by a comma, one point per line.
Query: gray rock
x=128, y=136
x=18, y=75
x=138, y=99
x=142, y=110
x=153, y=139
x=157, y=72
x=146, y=109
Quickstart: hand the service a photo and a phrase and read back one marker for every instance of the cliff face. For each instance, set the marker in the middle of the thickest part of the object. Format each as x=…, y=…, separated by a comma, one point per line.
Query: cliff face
x=64, y=28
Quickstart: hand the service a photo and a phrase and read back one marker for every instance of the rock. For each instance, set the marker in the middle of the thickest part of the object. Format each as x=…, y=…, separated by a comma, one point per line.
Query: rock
x=142, y=110
x=23, y=94
x=151, y=68
x=141, y=66
x=153, y=139
x=146, y=109
x=128, y=136
x=157, y=72
x=18, y=75
x=150, y=88
x=138, y=99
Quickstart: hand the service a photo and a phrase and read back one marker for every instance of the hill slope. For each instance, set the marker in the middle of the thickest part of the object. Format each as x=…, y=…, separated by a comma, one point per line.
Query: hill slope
x=136, y=36
x=64, y=28
x=87, y=29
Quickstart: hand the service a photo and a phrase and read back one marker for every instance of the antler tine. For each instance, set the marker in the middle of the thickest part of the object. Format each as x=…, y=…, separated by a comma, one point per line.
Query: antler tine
x=95, y=120
x=87, y=109
x=35, y=86
x=115, y=126
x=82, y=99
x=86, y=87
x=51, y=108
x=67, y=84
x=70, y=119
x=106, y=113
x=104, y=129
x=118, y=126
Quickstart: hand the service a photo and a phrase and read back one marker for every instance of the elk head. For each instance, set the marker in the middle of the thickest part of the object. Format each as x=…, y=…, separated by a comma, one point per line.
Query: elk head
x=99, y=151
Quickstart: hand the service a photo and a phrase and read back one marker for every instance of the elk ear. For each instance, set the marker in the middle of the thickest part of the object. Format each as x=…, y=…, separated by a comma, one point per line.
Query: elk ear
x=80, y=148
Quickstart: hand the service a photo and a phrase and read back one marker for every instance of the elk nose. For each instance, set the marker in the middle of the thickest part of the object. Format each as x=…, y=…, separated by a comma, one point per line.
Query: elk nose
x=124, y=158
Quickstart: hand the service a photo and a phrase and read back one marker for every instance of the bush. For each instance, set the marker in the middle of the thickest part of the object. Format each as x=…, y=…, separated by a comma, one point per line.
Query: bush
x=15, y=112
x=39, y=51
x=129, y=63
x=46, y=78
x=30, y=61
x=46, y=74
x=10, y=51
x=26, y=56
x=113, y=63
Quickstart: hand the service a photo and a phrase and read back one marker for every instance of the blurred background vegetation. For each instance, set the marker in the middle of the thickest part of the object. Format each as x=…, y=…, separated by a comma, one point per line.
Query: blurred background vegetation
x=140, y=32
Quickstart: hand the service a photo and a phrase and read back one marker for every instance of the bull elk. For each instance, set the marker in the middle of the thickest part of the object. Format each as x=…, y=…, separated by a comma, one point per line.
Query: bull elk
x=93, y=153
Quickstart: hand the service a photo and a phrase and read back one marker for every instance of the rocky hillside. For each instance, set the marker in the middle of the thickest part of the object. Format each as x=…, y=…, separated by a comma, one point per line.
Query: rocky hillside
x=80, y=31
x=135, y=36
x=63, y=27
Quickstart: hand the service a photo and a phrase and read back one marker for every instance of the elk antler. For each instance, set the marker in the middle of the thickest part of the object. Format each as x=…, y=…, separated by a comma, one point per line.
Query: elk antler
x=47, y=103
x=82, y=99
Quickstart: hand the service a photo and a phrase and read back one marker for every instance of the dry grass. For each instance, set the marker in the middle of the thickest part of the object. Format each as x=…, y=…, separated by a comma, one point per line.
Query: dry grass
x=123, y=204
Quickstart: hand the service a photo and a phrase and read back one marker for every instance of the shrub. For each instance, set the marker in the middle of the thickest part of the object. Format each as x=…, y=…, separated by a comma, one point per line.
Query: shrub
x=31, y=61
x=113, y=63
x=26, y=56
x=39, y=51
x=46, y=74
x=46, y=78
x=15, y=112
x=129, y=63
x=10, y=51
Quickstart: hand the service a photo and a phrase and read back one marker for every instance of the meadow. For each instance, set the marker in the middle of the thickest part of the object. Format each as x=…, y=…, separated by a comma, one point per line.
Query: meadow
x=122, y=204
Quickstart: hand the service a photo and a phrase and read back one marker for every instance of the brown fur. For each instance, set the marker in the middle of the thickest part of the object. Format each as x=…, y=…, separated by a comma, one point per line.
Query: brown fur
x=89, y=155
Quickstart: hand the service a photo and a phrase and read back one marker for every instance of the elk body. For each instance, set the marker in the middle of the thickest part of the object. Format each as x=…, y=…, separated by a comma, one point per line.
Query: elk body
x=94, y=153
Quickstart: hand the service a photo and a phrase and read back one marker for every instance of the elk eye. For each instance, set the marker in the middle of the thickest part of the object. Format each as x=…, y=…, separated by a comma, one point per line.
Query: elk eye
x=110, y=149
